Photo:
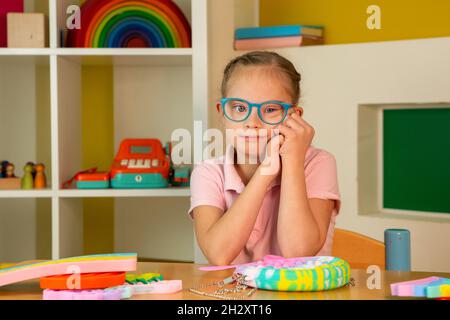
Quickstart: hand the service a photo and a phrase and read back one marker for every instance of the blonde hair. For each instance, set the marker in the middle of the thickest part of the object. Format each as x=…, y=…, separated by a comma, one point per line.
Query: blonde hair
x=269, y=59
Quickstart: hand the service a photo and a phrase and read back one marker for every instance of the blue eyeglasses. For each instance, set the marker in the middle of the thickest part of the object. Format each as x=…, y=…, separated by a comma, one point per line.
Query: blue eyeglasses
x=270, y=112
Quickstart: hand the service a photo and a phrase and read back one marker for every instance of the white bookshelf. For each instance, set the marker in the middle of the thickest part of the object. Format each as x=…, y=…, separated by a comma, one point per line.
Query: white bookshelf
x=101, y=193
x=53, y=136
x=97, y=52
x=113, y=193
x=23, y=194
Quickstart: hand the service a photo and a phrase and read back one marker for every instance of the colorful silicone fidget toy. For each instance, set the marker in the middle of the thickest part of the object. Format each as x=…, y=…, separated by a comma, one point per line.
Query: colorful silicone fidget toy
x=143, y=278
x=115, y=293
x=87, y=281
x=152, y=283
x=300, y=274
x=295, y=274
x=115, y=262
x=160, y=287
x=431, y=287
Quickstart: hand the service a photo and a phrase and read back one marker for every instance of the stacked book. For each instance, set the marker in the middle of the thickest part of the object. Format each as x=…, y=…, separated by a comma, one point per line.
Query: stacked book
x=277, y=37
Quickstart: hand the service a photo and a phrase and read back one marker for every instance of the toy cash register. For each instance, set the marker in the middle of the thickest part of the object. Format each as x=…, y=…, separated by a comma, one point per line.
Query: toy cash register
x=141, y=163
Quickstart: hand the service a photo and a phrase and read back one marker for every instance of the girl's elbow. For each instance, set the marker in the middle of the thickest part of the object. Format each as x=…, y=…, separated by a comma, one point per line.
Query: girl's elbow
x=214, y=255
x=317, y=245
x=298, y=254
x=306, y=250
x=219, y=260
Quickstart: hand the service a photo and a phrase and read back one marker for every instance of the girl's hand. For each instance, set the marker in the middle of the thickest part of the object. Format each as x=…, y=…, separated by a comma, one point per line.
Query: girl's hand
x=298, y=137
x=271, y=164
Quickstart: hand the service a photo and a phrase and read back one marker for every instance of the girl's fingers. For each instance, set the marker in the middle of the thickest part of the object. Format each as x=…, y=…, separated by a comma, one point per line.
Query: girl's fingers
x=282, y=139
x=303, y=123
x=300, y=120
x=274, y=144
x=294, y=124
x=286, y=131
x=278, y=140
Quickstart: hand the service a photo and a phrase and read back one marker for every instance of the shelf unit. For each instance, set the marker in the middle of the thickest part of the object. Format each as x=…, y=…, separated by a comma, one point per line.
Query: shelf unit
x=60, y=144
x=24, y=194
x=97, y=52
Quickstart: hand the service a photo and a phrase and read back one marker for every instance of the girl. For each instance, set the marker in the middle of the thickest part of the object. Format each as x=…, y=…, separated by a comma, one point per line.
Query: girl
x=243, y=212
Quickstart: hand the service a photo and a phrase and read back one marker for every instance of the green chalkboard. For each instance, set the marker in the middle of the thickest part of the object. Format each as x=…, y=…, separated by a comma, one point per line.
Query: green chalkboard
x=416, y=164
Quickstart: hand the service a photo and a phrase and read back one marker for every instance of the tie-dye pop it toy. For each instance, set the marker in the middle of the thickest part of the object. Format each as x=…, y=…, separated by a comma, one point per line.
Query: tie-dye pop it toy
x=297, y=274
x=279, y=274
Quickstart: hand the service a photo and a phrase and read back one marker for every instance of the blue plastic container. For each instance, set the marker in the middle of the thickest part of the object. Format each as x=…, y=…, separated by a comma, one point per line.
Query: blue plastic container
x=398, y=249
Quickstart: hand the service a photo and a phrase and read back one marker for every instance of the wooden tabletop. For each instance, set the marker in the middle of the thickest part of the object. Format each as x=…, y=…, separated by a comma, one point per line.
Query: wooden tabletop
x=191, y=276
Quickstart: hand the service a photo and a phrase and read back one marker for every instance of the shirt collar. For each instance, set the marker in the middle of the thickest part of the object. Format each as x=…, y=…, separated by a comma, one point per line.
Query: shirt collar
x=232, y=180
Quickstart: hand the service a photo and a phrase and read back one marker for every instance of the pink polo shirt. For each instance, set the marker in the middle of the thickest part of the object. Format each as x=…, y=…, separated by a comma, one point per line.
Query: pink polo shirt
x=216, y=183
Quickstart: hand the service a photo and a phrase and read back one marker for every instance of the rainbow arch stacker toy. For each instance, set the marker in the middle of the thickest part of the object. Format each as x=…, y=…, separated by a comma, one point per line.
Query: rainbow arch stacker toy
x=118, y=262
x=131, y=23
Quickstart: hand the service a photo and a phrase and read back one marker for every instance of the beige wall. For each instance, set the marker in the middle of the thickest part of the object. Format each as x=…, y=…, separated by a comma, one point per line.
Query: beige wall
x=43, y=138
x=157, y=228
x=338, y=78
x=17, y=124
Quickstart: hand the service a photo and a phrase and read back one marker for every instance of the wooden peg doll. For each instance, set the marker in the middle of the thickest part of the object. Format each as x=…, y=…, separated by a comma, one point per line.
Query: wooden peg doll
x=3, y=165
x=9, y=181
x=34, y=168
x=27, y=180
x=10, y=170
x=40, y=181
